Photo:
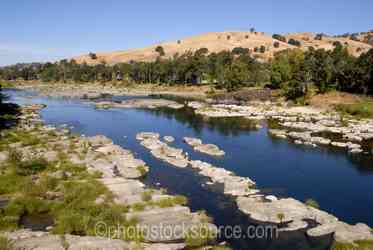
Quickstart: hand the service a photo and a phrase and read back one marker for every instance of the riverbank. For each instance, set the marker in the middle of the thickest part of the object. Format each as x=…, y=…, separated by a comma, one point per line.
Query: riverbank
x=78, y=182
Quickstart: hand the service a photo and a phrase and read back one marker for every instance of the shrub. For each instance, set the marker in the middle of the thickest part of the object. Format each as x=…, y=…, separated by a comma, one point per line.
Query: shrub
x=276, y=44
x=262, y=49
x=32, y=166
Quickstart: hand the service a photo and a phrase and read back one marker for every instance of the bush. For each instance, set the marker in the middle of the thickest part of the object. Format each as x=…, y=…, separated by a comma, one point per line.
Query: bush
x=262, y=49
x=276, y=44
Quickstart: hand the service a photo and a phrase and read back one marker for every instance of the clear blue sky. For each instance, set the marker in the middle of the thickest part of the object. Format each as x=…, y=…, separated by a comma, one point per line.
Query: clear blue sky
x=41, y=30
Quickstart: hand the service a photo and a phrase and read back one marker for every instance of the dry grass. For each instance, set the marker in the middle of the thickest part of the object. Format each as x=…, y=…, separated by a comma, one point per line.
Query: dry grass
x=218, y=41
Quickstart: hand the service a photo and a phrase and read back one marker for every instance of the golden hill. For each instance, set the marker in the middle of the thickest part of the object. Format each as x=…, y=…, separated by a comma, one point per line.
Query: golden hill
x=219, y=41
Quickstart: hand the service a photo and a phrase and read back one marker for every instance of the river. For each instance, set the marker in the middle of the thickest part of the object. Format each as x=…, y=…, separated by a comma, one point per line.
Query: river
x=339, y=182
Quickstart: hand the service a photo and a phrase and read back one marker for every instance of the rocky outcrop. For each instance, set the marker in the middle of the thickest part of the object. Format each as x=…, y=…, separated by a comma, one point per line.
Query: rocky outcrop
x=140, y=103
x=209, y=149
x=31, y=240
x=161, y=150
x=233, y=185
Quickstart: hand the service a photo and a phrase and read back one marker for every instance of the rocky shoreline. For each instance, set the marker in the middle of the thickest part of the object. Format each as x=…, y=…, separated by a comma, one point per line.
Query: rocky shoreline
x=120, y=172
x=289, y=214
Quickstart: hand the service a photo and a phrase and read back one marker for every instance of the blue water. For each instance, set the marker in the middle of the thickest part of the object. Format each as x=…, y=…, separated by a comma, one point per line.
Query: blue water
x=340, y=183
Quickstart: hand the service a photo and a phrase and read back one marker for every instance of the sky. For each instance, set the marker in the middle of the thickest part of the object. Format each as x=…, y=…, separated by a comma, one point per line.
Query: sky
x=49, y=30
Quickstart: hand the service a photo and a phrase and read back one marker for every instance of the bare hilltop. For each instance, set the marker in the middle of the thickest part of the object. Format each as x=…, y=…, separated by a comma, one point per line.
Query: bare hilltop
x=261, y=45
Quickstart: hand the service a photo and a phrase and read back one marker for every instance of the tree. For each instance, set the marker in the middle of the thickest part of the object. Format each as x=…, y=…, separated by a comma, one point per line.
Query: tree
x=294, y=42
x=252, y=30
x=240, y=51
x=276, y=44
x=160, y=50
x=93, y=56
x=319, y=36
x=279, y=37
x=262, y=49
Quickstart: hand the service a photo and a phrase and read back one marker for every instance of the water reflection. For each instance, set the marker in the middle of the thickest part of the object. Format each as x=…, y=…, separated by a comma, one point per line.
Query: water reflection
x=228, y=126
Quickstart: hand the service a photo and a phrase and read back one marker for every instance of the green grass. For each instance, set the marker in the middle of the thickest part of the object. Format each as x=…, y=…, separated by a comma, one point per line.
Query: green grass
x=199, y=236
x=142, y=170
x=312, y=203
x=11, y=183
x=6, y=244
x=358, y=245
x=363, y=109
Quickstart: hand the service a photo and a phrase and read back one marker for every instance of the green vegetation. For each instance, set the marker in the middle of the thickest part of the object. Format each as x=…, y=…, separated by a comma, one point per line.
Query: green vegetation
x=279, y=37
x=142, y=170
x=160, y=50
x=312, y=203
x=363, y=109
x=198, y=236
x=357, y=245
x=294, y=71
x=6, y=244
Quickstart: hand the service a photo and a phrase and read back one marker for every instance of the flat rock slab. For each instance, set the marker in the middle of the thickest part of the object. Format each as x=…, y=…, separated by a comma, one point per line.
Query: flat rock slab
x=141, y=103
x=209, y=149
x=162, y=151
x=343, y=232
x=163, y=221
x=291, y=211
x=233, y=185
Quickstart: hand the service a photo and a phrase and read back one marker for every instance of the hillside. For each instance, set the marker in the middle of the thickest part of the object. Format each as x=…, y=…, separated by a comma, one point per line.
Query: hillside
x=219, y=41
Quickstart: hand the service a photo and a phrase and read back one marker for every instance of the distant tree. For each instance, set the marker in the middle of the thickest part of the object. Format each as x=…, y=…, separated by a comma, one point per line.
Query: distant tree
x=279, y=37
x=319, y=36
x=256, y=49
x=202, y=51
x=240, y=51
x=276, y=44
x=262, y=49
x=93, y=56
x=246, y=36
x=228, y=37
x=337, y=43
x=160, y=50
x=354, y=37
x=178, y=42
x=252, y=30
x=294, y=42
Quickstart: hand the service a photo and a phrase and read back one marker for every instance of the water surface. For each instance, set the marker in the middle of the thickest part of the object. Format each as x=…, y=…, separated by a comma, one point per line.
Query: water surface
x=339, y=182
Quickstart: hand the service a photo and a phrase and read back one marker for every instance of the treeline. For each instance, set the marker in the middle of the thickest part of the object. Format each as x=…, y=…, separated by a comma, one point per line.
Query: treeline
x=227, y=69
x=295, y=71
x=291, y=70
